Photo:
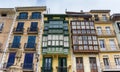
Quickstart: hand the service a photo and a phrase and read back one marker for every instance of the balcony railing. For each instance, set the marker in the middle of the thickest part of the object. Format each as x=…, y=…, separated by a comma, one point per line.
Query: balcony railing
x=32, y=30
x=18, y=31
x=28, y=66
x=32, y=17
x=22, y=18
x=100, y=19
x=62, y=69
x=94, y=68
x=30, y=46
x=105, y=33
x=55, y=50
x=80, y=68
x=94, y=49
x=110, y=67
x=109, y=47
x=46, y=69
x=14, y=46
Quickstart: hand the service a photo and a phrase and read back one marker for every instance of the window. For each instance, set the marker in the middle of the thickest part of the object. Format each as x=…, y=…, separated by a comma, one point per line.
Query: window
x=112, y=44
x=36, y=15
x=108, y=32
x=1, y=26
x=93, y=64
x=117, y=60
x=106, y=62
x=118, y=24
x=79, y=63
x=102, y=44
x=16, y=42
x=23, y=15
x=20, y=26
x=11, y=59
x=96, y=17
x=33, y=26
x=47, y=64
x=31, y=42
x=3, y=14
x=99, y=31
x=104, y=17
x=28, y=61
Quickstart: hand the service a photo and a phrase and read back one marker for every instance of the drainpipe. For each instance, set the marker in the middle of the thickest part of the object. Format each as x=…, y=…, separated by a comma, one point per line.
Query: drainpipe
x=7, y=42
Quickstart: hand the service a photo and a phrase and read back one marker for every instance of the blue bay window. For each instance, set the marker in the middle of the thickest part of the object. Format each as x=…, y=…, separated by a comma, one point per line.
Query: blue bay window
x=33, y=26
x=36, y=15
x=28, y=61
x=23, y=15
x=20, y=26
x=16, y=42
x=31, y=42
x=11, y=59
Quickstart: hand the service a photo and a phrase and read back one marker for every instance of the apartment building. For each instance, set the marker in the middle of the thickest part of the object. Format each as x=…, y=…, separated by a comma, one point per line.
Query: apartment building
x=6, y=20
x=109, y=50
x=56, y=52
x=25, y=34
x=84, y=42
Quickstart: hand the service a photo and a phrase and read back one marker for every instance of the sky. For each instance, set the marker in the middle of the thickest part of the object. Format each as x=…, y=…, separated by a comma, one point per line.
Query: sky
x=59, y=6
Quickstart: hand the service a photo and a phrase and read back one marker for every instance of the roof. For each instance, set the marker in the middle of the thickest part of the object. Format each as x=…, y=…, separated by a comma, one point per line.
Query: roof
x=6, y=10
x=115, y=16
x=32, y=8
x=99, y=11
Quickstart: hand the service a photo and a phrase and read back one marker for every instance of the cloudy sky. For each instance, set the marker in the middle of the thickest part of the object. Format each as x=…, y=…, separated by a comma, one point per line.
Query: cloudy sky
x=59, y=6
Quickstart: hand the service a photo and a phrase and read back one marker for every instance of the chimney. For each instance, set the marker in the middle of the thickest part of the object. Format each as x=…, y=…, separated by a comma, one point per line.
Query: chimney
x=81, y=11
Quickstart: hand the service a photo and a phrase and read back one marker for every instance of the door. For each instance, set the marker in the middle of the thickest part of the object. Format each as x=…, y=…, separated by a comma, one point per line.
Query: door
x=20, y=26
x=79, y=64
x=33, y=26
x=93, y=65
x=31, y=42
x=108, y=32
x=112, y=44
x=47, y=64
x=62, y=65
x=99, y=31
x=106, y=63
x=102, y=44
x=16, y=42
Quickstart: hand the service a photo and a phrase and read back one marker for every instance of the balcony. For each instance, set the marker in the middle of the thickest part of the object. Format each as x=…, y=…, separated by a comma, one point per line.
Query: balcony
x=32, y=30
x=94, y=68
x=62, y=69
x=104, y=33
x=101, y=20
x=30, y=46
x=55, y=50
x=35, y=17
x=46, y=69
x=28, y=67
x=14, y=46
x=109, y=48
x=111, y=67
x=18, y=30
x=22, y=18
x=88, y=49
x=80, y=68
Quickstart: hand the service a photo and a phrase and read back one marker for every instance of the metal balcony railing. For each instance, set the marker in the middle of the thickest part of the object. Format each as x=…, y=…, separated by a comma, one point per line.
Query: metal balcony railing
x=104, y=33
x=32, y=30
x=46, y=69
x=62, y=69
x=18, y=30
x=14, y=45
x=28, y=66
x=30, y=46
x=110, y=67
x=22, y=18
x=100, y=19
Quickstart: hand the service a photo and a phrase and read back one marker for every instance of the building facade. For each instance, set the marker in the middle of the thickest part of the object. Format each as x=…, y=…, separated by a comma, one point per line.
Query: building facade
x=6, y=20
x=26, y=35
x=56, y=53
x=108, y=44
